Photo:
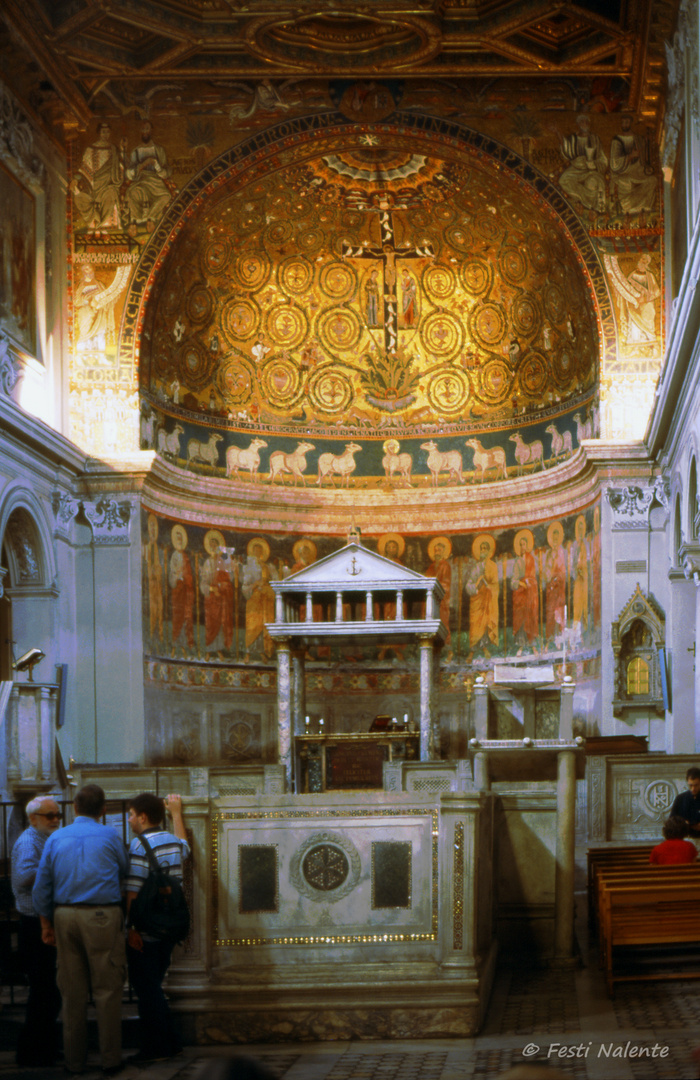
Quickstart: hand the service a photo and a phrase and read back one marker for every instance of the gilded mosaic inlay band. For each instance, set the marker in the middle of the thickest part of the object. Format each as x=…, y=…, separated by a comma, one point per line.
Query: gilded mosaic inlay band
x=323, y=939
x=458, y=887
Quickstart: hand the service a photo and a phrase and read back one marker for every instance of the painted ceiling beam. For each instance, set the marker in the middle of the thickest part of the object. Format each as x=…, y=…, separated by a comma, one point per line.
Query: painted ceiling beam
x=77, y=23
x=24, y=18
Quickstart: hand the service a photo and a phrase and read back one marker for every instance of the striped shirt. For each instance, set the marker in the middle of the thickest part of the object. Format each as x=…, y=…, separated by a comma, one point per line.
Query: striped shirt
x=168, y=850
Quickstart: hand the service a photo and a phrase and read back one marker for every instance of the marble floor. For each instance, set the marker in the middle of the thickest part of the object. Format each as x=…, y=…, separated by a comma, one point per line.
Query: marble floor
x=561, y=1017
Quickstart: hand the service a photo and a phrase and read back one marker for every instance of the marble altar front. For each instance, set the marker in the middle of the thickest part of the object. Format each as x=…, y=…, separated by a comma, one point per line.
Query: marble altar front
x=394, y=888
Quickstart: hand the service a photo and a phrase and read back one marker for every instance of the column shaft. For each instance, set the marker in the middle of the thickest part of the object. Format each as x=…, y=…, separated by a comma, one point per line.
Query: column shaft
x=564, y=872
x=426, y=698
x=298, y=694
x=284, y=711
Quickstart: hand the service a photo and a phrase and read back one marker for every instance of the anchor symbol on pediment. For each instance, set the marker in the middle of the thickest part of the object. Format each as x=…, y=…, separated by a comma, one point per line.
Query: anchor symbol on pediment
x=353, y=569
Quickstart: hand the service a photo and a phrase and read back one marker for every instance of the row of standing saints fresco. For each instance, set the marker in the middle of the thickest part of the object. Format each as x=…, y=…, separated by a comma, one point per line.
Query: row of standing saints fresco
x=526, y=592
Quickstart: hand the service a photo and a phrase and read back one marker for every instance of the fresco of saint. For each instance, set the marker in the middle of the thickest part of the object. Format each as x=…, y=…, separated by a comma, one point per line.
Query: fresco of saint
x=555, y=582
x=482, y=587
x=439, y=551
x=524, y=584
x=181, y=581
x=216, y=586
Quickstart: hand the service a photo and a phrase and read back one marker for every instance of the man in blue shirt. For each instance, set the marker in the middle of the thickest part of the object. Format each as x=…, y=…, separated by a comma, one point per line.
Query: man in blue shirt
x=78, y=896
x=38, y=1040
x=149, y=958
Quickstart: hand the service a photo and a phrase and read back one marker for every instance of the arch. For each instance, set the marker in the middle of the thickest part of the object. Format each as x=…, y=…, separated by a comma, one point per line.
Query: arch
x=22, y=515
x=435, y=132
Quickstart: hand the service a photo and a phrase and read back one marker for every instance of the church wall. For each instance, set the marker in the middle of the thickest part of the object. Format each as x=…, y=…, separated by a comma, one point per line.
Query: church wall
x=101, y=263
x=673, y=431
x=118, y=670
x=681, y=728
x=34, y=344
x=80, y=734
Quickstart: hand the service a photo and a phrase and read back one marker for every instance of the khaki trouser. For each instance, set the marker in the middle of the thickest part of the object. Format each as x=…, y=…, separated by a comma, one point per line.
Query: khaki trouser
x=91, y=956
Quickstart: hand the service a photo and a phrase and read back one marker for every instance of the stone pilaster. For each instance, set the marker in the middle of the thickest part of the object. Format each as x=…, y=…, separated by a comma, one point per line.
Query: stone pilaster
x=192, y=959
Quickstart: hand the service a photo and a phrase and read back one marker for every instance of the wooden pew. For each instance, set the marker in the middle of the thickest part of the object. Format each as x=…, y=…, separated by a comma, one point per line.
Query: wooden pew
x=639, y=877
x=612, y=856
x=658, y=910
x=633, y=871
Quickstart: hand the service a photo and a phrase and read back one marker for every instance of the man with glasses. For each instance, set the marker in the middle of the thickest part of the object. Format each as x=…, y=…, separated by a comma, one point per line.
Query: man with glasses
x=38, y=1041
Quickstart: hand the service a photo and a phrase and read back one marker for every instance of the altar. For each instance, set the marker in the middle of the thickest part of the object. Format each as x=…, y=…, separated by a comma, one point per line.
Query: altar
x=348, y=762
x=342, y=598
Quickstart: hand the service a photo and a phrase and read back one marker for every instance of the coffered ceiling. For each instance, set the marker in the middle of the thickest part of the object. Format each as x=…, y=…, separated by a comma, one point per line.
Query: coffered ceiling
x=60, y=56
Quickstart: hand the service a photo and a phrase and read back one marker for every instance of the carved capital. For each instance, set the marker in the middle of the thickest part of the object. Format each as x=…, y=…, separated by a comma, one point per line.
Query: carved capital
x=689, y=559
x=65, y=509
x=10, y=372
x=630, y=506
x=662, y=491
x=109, y=520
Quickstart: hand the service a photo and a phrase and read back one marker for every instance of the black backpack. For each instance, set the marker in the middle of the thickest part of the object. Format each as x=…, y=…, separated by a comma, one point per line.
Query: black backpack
x=159, y=908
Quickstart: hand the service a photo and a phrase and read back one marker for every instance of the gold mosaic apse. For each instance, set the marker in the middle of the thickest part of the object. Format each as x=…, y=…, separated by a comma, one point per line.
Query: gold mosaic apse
x=370, y=285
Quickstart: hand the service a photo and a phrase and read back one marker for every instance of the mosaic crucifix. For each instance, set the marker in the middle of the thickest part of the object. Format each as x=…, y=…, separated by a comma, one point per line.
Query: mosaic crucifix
x=387, y=254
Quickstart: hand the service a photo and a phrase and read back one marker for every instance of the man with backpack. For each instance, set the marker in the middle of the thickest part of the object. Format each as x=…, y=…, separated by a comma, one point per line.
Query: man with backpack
x=157, y=917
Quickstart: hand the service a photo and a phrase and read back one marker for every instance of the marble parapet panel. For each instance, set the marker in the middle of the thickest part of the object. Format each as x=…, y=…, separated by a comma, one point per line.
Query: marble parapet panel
x=629, y=796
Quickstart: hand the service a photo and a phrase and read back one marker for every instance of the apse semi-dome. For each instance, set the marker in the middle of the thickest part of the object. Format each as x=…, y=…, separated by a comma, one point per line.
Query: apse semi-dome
x=373, y=291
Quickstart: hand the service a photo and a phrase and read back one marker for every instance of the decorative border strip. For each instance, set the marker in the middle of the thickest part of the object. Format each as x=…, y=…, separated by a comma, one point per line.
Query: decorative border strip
x=458, y=888
x=323, y=939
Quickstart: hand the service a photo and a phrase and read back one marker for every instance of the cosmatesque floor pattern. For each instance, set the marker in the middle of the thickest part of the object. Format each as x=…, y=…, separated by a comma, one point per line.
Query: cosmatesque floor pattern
x=563, y=1018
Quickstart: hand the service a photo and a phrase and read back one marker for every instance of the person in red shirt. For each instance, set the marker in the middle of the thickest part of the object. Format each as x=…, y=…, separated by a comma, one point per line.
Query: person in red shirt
x=674, y=849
